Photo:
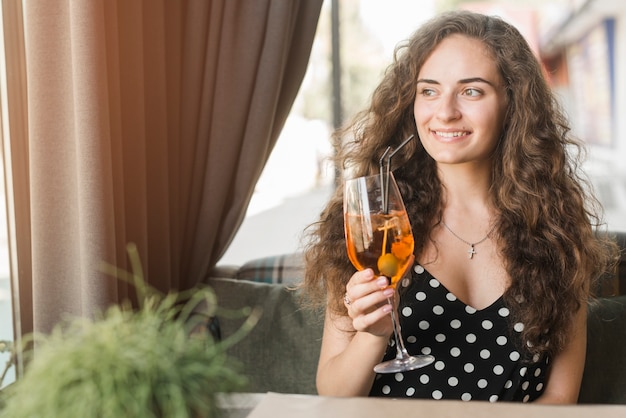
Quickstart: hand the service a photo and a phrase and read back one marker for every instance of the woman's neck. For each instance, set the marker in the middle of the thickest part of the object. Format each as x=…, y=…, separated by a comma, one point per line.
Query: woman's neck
x=466, y=187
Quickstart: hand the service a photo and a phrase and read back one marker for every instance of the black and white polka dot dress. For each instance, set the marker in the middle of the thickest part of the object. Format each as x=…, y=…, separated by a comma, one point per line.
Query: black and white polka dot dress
x=478, y=355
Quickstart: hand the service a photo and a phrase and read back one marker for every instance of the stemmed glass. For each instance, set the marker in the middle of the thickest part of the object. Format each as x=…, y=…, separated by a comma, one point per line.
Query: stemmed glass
x=378, y=236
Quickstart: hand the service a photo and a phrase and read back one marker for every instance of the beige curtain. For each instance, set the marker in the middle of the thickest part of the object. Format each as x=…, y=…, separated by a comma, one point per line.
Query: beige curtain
x=140, y=121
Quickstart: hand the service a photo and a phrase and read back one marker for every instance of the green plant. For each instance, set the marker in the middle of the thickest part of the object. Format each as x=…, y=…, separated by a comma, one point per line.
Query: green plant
x=130, y=362
x=6, y=347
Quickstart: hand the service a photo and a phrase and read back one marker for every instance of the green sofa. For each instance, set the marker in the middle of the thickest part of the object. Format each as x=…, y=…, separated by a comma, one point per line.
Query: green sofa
x=280, y=353
x=604, y=379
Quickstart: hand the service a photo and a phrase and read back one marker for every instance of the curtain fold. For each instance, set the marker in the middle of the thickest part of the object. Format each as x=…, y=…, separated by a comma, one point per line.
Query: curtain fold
x=147, y=122
x=253, y=77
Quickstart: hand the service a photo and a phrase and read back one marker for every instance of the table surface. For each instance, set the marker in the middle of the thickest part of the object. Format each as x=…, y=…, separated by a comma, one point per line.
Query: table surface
x=275, y=405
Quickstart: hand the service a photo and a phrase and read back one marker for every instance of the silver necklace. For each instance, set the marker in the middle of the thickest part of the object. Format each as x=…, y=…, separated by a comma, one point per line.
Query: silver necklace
x=471, y=250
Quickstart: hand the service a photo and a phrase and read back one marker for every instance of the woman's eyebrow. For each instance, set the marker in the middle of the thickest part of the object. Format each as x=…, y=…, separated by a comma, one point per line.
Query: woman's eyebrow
x=475, y=80
x=462, y=81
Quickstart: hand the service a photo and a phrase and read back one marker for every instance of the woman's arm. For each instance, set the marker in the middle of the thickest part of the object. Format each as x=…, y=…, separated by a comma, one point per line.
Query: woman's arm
x=352, y=345
x=347, y=359
x=566, y=372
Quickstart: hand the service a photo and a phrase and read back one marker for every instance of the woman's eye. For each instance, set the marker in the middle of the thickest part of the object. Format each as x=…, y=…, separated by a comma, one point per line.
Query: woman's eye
x=427, y=92
x=472, y=92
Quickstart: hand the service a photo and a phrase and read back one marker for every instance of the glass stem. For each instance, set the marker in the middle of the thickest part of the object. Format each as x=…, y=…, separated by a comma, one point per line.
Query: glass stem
x=401, y=352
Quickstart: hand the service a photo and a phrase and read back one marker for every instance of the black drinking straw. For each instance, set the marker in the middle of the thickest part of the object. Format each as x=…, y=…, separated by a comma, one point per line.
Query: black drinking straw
x=384, y=194
x=384, y=178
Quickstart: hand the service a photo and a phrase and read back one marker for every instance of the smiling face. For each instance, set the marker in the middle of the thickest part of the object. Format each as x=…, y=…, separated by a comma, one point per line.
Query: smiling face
x=460, y=103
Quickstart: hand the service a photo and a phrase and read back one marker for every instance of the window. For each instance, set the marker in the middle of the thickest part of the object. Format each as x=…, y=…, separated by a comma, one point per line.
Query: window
x=6, y=306
x=7, y=292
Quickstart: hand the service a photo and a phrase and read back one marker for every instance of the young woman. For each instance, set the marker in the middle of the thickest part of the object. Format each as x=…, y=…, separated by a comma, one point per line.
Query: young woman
x=505, y=247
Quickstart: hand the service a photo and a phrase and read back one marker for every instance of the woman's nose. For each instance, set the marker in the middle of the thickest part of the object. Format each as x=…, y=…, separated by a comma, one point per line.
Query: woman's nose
x=448, y=108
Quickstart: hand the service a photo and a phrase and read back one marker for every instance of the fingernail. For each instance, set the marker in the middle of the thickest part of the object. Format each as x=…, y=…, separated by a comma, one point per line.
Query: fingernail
x=388, y=292
x=387, y=308
x=382, y=282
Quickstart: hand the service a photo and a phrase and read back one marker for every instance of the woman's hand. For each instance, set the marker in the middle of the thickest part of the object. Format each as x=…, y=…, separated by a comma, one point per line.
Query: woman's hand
x=367, y=301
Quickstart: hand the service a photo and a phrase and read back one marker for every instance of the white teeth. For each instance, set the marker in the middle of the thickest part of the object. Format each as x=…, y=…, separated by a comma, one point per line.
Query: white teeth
x=449, y=134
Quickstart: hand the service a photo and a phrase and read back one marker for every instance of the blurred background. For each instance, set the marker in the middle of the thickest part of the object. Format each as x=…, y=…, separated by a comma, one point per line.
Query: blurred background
x=581, y=44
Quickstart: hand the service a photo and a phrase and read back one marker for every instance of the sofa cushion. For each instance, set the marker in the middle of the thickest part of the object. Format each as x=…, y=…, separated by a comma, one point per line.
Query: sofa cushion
x=284, y=268
x=281, y=352
x=604, y=378
x=620, y=238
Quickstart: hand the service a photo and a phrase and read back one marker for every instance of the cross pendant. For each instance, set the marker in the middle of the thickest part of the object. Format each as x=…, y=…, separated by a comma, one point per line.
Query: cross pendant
x=471, y=251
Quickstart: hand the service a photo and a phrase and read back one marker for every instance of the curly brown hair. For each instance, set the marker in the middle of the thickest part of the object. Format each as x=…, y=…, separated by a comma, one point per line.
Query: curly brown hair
x=548, y=220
